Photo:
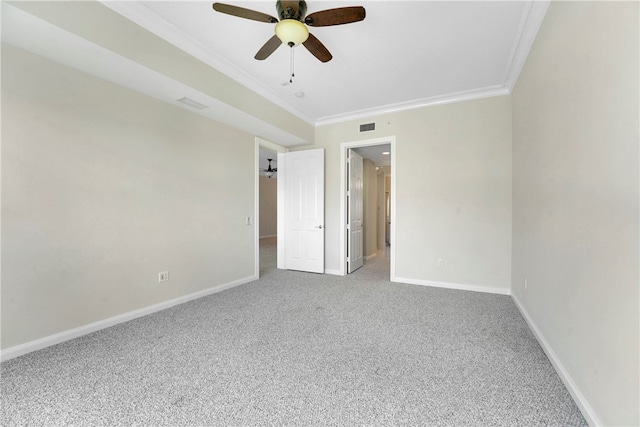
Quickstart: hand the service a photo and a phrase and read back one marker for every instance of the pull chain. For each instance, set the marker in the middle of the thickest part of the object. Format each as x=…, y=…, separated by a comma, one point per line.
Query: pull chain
x=291, y=62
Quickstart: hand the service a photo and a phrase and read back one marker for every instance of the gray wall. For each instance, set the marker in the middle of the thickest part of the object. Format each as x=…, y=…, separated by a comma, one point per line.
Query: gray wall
x=575, y=198
x=102, y=188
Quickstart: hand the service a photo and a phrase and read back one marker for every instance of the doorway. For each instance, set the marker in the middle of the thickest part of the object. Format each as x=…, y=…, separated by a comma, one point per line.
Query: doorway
x=266, y=216
x=379, y=228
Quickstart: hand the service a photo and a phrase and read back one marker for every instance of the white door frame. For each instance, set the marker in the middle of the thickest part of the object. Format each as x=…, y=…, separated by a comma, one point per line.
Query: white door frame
x=355, y=211
x=259, y=142
x=343, y=198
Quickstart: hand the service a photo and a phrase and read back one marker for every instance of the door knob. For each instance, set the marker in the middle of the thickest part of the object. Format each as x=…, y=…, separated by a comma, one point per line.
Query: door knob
x=319, y=226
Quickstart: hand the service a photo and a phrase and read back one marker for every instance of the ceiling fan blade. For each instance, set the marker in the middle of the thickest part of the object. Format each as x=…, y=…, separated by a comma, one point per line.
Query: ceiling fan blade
x=317, y=49
x=269, y=47
x=339, y=16
x=244, y=13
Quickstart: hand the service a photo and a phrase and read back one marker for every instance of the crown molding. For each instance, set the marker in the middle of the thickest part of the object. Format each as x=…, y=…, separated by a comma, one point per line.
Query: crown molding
x=529, y=26
x=530, y=23
x=146, y=18
x=40, y=37
x=487, y=92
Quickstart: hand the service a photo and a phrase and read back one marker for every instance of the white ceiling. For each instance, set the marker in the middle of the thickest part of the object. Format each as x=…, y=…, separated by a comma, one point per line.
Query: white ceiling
x=375, y=153
x=403, y=55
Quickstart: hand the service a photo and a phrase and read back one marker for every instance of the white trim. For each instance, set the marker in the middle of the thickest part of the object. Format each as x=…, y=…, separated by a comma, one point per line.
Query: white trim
x=156, y=24
x=38, y=36
x=391, y=140
x=368, y=257
x=333, y=272
x=587, y=410
x=256, y=208
x=458, y=286
x=282, y=175
x=58, y=338
x=531, y=21
x=394, y=217
x=530, y=24
x=487, y=92
x=271, y=145
x=270, y=235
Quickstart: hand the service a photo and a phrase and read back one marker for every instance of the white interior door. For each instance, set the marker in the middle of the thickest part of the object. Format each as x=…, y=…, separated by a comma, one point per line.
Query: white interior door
x=304, y=210
x=354, y=215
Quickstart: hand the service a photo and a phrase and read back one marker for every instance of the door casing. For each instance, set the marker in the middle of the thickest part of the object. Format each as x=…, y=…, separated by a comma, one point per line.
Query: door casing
x=343, y=198
x=355, y=238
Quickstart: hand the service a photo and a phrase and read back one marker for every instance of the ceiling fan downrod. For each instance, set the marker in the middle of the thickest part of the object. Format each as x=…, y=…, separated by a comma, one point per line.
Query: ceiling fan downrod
x=291, y=46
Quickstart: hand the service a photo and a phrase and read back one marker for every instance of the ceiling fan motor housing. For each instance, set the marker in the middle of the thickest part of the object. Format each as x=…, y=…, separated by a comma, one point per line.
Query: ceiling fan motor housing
x=287, y=12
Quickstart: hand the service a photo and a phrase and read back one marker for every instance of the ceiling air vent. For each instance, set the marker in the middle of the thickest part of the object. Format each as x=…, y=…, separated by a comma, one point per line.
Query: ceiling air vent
x=367, y=127
x=191, y=103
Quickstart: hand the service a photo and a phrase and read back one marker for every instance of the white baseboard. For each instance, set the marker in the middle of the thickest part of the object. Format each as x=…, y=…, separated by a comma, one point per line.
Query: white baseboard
x=334, y=272
x=449, y=285
x=587, y=411
x=41, y=343
x=368, y=257
x=269, y=236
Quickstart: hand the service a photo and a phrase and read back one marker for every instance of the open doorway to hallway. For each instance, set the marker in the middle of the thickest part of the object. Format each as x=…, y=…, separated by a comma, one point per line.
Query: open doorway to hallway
x=267, y=209
x=378, y=204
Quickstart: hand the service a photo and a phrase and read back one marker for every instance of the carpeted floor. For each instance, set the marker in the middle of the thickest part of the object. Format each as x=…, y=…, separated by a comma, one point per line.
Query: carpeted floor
x=300, y=349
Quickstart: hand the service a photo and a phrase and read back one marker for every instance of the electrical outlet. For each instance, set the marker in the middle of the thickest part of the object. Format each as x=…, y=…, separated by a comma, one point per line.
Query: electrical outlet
x=248, y=221
x=440, y=262
x=163, y=276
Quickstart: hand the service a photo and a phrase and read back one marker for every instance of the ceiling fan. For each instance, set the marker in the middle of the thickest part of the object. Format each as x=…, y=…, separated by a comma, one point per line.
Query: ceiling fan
x=269, y=171
x=292, y=29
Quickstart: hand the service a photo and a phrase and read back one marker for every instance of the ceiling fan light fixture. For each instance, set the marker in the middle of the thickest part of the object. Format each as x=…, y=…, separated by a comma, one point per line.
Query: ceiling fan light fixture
x=269, y=171
x=292, y=29
x=292, y=32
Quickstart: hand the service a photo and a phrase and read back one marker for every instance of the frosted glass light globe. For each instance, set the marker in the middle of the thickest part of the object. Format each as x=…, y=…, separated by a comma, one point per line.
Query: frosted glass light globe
x=292, y=32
